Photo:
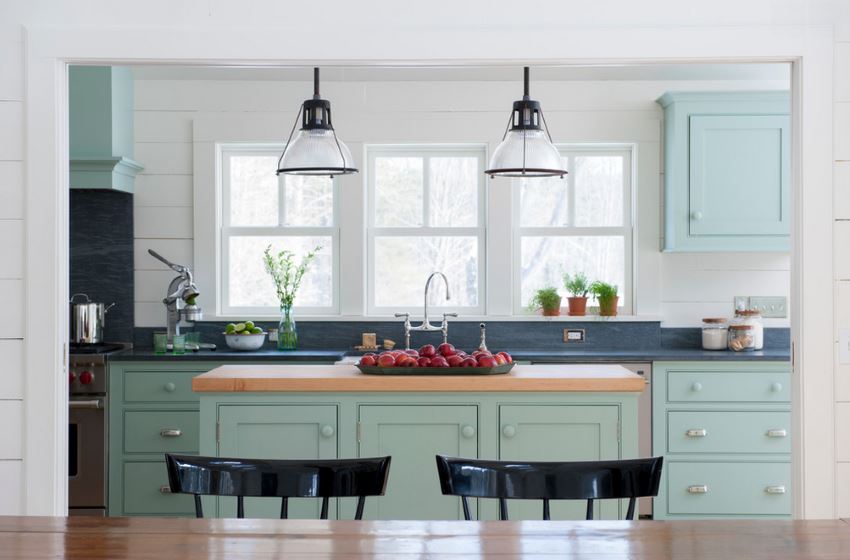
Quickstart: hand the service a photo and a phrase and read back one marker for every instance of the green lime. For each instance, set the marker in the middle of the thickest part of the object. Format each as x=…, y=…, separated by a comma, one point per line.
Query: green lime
x=230, y=328
x=256, y=330
x=249, y=325
x=240, y=327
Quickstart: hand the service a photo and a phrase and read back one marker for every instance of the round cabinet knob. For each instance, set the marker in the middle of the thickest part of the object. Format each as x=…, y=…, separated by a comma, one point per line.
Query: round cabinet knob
x=170, y=387
x=467, y=431
x=696, y=215
x=71, y=377
x=86, y=377
x=509, y=431
x=776, y=387
x=697, y=386
x=327, y=431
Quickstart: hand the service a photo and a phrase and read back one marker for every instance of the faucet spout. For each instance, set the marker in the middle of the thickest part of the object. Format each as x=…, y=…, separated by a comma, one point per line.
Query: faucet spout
x=426, y=320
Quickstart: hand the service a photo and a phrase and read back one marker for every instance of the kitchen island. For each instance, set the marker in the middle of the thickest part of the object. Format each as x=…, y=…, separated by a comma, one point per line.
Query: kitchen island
x=536, y=412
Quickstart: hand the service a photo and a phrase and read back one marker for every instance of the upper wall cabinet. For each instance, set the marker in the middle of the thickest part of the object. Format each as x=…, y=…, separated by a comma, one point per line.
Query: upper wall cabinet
x=726, y=171
x=101, y=128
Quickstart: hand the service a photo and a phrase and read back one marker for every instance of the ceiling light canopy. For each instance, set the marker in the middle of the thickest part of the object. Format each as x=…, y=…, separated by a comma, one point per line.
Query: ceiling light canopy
x=526, y=149
x=315, y=150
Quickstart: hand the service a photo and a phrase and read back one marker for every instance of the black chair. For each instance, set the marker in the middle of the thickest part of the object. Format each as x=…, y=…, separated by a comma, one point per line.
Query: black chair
x=586, y=480
x=333, y=478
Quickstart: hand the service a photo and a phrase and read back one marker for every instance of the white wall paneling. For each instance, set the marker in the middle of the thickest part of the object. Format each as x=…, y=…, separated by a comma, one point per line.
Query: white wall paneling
x=163, y=190
x=11, y=486
x=11, y=132
x=842, y=132
x=841, y=189
x=11, y=190
x=165, y=158
x=11, y=248
x=12, y=70
x=12, y=374
x=175, y=250
x=12, y=304
x=162, y=222
x=12, y=433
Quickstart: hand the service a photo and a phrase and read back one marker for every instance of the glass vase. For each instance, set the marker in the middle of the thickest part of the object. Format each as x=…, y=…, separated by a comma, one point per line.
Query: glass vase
x=287, y=334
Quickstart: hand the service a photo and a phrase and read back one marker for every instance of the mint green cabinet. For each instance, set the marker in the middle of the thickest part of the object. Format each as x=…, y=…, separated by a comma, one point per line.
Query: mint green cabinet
x=413, y=435
x=724, y=429
x=726, y=171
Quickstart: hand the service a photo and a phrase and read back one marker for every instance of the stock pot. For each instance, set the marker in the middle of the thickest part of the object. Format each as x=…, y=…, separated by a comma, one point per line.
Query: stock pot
x=87, y=320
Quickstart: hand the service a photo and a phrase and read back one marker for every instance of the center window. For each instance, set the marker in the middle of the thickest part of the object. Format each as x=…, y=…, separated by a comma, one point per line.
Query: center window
x=425, y=214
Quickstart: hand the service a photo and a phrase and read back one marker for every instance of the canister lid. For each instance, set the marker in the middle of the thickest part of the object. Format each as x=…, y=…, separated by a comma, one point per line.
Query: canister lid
x=740, y=327
x=714, y=320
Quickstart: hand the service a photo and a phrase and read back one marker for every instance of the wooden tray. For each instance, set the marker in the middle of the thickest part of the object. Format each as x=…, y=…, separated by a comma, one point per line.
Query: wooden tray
x=377, y=370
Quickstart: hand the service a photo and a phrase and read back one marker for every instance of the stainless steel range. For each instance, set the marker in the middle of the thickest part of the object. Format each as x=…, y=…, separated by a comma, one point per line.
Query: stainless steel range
x=87, y=428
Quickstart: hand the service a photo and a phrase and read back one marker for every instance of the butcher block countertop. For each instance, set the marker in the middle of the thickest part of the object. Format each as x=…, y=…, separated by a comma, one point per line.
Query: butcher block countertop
x=347, y=378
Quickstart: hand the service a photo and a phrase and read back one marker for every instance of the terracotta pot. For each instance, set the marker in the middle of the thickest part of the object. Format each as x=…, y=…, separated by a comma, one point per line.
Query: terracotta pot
x=608, y=307
x=578, y=305
x=553, y=312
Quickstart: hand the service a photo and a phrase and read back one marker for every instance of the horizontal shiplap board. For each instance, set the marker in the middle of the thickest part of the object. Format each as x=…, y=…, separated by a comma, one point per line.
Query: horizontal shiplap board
x=12, y=306
x=163, y=190
x=690, y=314
x=165, y=158
x=150, y=314
x=842, y=321
x=163, y=126
x=11, y=70
x=162, y=222
x=11, y=248
x=11, y=488
x=176, y=250
x=150, y=285
x=11, y=419
x=841, y=188
x=723, y=285
x=12, y=374
x=841, y=132
x=841, y=66
x=842, y=420
x=841, y=240
x=11, y=130
x=12, y=190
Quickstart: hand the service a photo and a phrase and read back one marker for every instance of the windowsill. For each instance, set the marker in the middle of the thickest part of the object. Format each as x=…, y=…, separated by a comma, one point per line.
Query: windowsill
x=436, y=318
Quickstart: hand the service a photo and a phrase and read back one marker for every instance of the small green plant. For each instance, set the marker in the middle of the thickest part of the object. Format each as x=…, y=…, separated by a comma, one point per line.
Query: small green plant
x=603, y=291
x=577, y=285
x=546, y=298
x=285, y=273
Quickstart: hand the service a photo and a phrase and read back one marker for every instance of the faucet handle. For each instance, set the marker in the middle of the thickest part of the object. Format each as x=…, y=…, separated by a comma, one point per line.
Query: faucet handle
x=449, y=315
x=405, y=315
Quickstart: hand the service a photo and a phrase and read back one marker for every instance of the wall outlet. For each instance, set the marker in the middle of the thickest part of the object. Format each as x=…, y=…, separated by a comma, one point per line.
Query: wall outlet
x=770, y=306
x=574, y=335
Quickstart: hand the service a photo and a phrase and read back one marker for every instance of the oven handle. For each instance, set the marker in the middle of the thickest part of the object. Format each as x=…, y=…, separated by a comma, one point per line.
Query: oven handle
x=93, y=404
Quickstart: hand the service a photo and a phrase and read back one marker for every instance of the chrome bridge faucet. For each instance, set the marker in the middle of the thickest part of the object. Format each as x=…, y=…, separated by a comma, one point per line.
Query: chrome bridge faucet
x=426, y=321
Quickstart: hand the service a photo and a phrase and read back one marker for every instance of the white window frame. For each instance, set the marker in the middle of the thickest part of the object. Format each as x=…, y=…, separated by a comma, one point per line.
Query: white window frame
x=627, y=151
x=426, y=151
x=225, y=231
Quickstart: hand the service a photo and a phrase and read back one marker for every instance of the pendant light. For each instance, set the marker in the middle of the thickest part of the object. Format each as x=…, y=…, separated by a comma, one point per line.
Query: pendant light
x=526, y=149
x=315, y=150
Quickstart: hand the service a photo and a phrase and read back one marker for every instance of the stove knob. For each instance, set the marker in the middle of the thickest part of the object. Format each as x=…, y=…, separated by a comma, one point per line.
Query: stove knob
x=86, y=377
x=71, y=377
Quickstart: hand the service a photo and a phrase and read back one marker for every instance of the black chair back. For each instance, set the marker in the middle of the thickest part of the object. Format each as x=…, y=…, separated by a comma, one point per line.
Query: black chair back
x=332, y=478
x=585, y=480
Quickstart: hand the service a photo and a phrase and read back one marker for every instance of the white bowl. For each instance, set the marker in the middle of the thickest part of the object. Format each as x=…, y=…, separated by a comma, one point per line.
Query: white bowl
x=245, y=342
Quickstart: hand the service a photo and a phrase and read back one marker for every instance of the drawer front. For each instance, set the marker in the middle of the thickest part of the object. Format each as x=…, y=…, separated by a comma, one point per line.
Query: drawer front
x=146, y=492
x=161, y=431
x=160, y=386
x=728, y=386
x=728, y=432
x=728, y=488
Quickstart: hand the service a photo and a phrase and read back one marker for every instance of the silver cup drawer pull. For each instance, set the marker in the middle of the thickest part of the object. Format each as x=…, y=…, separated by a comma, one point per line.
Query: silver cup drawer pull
x=698, y=489
x=171, y=432
x=697, y=432
x=165, y=489
x=775, y=489
x=777, y=433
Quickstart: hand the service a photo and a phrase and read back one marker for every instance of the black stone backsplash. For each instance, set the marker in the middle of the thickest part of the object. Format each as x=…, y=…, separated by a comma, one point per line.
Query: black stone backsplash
x=101, y=255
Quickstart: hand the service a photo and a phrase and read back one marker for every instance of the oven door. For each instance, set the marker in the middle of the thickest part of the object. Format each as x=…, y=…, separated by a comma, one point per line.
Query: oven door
x=87, y=454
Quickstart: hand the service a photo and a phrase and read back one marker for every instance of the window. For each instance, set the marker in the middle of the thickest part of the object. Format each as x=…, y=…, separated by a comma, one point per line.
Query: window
x=581, y=223
x=425, y=213
x=259, y=209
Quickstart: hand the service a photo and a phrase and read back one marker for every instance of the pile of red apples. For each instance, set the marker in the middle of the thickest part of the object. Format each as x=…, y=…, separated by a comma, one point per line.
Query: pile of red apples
x=445, y=355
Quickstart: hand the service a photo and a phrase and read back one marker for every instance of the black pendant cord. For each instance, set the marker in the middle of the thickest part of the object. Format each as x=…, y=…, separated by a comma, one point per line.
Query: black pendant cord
x=316, y=83
x=288, y=140
x=526, y=76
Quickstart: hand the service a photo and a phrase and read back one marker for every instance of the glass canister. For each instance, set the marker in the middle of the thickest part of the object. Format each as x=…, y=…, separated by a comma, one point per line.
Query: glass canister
x=752, y=317
x=714, y=333
x=742, y=338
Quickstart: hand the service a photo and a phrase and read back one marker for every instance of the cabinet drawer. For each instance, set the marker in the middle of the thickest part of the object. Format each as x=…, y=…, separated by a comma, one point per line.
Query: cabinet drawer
x=161, y=431
x=146, y=492
x=728, y=432
x=729, y=488
x=160, y=386
x=728, y=386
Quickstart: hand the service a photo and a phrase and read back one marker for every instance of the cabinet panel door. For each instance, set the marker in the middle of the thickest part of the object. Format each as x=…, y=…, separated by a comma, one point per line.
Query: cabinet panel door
x=146, y=491
x=413, y=435
x=277, y=432
x=739, y=169
x=559, y=433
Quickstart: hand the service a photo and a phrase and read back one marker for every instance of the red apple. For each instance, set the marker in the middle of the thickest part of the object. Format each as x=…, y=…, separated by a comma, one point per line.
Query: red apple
x=447, y=349
x=487, y=361
x=454, y=361
x=407, y=361
x=499, y=360
x=413, y=353
x=368, y=360
x=386, y=360
x=507, y=357
x=469, y=362
x=424, y=361
x=428, y=351
x=439, y=361
x=479, y=353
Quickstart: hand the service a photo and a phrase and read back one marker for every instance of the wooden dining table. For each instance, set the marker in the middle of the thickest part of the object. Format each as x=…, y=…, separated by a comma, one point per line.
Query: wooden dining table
x=172, y=538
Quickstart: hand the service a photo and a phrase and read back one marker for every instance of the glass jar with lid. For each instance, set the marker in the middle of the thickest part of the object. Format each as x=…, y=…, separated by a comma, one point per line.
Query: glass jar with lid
x=714, y=333
x=751, y=317
x=742, y=338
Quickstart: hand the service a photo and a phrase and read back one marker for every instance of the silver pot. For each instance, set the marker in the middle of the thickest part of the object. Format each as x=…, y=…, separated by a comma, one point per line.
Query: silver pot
x=87, y=320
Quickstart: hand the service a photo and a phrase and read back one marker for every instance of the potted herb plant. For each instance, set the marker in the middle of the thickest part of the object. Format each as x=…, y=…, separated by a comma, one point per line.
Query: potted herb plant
x=287, y=278
x=578, y=286
x=548, y=300
x=606, y=295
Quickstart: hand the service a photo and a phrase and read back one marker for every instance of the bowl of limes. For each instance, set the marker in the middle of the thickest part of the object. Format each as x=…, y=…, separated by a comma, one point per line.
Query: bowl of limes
x=244, y=336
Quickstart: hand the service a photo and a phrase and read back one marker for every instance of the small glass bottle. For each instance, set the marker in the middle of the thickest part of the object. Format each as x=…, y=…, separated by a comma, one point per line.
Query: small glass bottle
x=742, y=338
x=714, y=334
x=752, y=317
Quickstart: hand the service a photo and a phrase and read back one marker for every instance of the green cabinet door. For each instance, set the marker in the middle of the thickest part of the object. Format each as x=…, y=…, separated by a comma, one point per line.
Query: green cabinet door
x=413, y=435
x=559, y=433
x=277, y=432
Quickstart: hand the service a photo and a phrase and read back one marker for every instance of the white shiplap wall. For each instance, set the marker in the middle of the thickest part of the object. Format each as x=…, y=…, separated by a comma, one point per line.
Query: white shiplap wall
x=691, y=286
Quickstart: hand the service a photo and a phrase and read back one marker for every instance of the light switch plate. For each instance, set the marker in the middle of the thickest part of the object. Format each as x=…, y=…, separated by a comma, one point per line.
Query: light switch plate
x=770, y=306
x=844, y=346
x=739, y=303
x=573, y=335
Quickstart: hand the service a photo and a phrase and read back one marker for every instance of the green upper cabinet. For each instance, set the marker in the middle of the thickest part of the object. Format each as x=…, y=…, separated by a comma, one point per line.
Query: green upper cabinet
x=101, y=128
x=726, y=171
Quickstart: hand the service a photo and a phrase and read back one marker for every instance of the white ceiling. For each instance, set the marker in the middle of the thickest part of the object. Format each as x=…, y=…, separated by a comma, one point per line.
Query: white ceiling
x=667, y=72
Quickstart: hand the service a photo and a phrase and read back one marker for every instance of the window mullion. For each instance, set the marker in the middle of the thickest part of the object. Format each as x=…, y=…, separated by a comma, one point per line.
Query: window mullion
x=426, y=191
x=281, y=200
x=571, y=191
